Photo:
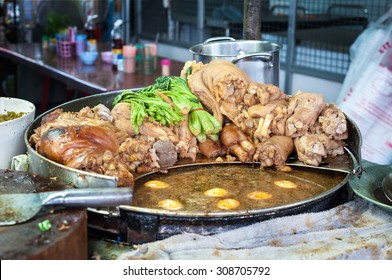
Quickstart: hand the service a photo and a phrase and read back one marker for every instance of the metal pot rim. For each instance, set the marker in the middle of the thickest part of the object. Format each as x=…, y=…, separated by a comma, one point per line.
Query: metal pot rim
x=198, y=49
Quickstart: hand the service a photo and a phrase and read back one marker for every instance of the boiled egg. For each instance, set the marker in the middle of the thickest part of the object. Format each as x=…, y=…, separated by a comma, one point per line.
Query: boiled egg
x=170, y=204
x=259, y=195
x=215, y=192
x=228, y=204
x=285, y=184
x=156, y=184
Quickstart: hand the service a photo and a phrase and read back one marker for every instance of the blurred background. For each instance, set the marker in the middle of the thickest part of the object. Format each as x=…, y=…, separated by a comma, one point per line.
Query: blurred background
x=318, y=55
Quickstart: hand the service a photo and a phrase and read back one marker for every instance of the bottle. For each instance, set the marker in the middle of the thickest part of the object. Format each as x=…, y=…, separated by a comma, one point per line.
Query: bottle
x=165, y=63
x=120, y=62
x=45, y=42
x=117, y=41
x=91, y=44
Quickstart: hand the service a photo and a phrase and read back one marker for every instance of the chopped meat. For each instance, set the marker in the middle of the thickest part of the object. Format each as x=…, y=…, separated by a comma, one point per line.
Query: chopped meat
x=266, y=93
x=187, y=142
x=312, y=148
x=332, y=122
x=135, y=152
x=156, y=130
x=67, y=119
x=51, y=116
x=303, y=109
x=221, y=87
x=269, y=119
x=226, y=81
x=100, y=112
x=237, y=143
x=121, y=114
x=274, y=151
x=191, y=67
x=166, y=153
x=210, y=148
x=84, y=147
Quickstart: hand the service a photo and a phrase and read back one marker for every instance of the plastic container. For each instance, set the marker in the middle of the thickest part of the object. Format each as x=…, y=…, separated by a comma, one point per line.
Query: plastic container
x=88, y=58
x=12, y=131
x=129, y=53
x=107, y=57
x=139, y=57
x=80, y=43
x=165, y=64
x=45, y=42
x=60, y=38
x=148, y=61
x=66, y=49
x=153, y=51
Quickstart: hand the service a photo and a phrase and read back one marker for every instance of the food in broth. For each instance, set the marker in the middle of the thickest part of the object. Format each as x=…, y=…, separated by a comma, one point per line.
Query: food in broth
x=215, y=188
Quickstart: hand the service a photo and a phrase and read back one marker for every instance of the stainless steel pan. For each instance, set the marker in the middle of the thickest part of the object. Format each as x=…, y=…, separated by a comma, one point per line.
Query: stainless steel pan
x=135, y=224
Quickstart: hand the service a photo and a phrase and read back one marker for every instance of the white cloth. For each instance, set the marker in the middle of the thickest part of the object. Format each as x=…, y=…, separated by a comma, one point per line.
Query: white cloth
x=20, y=163
x=354, y=230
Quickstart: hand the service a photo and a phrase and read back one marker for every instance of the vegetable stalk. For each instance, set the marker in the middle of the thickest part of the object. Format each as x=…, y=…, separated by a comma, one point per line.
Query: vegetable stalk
x=200, y=122
x=149, y=102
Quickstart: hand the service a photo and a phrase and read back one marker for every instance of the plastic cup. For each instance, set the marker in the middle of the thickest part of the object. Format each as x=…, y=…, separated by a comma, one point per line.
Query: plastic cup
x=129, y=52
x=153, y=49
x=80, y=43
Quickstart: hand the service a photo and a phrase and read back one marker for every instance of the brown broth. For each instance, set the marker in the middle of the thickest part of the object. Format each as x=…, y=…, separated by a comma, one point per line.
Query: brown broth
x=188, y=184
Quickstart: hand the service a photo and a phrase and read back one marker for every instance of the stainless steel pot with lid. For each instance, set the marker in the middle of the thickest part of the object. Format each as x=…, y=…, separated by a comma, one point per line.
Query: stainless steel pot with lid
x=259, y=59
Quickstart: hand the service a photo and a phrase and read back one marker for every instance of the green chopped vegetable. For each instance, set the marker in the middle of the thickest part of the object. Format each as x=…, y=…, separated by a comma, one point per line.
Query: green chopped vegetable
x=10, y=115
x=44, y=225
x=201, y=137
x=213, y=137
x=177, y=89
x=194, y=124
x=146, y=103
x=199, y=121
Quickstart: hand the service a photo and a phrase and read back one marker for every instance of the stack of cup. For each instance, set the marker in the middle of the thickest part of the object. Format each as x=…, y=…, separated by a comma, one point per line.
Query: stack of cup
x=129, y=53
x=139, y=57
x=80, y=43
x=153, y=52
x=148, y=61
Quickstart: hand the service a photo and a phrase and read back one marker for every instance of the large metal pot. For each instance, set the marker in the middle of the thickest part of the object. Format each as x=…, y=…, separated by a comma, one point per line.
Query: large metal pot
x=137, y=225
x=259, y=59
x=41, y=165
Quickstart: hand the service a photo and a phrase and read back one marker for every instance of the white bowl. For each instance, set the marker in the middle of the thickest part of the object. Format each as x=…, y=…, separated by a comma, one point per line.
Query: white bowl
x=107, y=57
x=88, y=58
x=12, y=131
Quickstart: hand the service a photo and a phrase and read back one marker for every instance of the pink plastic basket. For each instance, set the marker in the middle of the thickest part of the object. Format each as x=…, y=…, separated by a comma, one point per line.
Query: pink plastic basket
x=67, y=49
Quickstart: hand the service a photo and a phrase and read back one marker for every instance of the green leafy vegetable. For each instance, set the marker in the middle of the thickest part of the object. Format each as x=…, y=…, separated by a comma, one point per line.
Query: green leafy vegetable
x=199, y=121
x=44, y=225
x=147, y=102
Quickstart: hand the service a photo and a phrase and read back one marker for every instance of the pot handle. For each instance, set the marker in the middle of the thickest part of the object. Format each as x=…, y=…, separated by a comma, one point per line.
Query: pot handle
x=221, y=38
x=266, y=57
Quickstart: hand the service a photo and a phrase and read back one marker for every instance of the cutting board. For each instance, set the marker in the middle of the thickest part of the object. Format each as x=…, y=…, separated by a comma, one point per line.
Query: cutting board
x=67, y=239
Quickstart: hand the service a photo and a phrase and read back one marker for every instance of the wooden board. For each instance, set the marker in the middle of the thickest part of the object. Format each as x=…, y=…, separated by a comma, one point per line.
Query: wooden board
x=67, y=239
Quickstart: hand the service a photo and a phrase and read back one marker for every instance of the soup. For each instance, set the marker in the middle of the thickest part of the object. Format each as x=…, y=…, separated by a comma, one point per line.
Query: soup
x=223, y=187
